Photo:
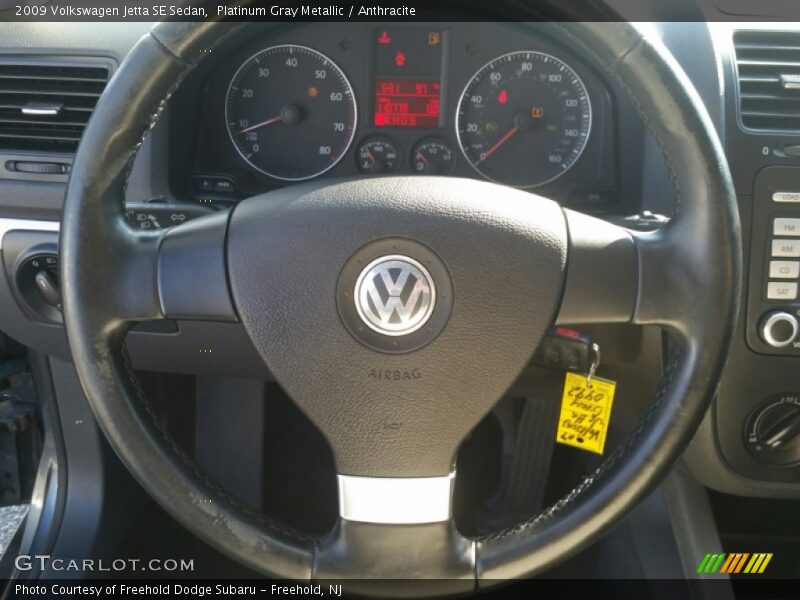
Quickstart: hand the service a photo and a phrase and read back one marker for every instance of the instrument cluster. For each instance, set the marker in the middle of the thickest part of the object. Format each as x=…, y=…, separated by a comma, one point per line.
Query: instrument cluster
x=482, y=100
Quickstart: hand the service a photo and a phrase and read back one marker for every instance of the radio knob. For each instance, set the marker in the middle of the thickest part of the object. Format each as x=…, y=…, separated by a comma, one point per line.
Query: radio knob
x=778, y=328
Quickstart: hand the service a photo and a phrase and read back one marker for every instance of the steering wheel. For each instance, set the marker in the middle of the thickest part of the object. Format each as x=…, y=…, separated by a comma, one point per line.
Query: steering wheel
x=490, y=270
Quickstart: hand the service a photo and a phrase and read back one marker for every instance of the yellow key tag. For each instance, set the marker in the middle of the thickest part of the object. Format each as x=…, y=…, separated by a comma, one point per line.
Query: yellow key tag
x=585, y=412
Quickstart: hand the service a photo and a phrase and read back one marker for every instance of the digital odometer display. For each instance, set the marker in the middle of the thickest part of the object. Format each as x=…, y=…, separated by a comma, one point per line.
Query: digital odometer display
x=524, y=119
x=406, y=103
x=407, y=77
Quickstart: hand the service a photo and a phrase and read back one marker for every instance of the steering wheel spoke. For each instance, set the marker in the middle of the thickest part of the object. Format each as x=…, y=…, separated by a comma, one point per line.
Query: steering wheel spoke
x=191, y=272
x=397, y=528
x=179, y=273
x=602, y=272
x=616, y=275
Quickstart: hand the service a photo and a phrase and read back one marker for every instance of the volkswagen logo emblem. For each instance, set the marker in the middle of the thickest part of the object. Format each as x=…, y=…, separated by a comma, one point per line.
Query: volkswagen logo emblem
x=395, y=295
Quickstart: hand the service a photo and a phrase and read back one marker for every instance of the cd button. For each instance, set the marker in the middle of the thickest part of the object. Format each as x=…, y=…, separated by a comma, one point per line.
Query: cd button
x=784, y=269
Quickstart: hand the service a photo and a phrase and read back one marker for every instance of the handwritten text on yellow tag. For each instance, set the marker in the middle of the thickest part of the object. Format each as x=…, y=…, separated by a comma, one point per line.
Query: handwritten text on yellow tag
x=585, y=412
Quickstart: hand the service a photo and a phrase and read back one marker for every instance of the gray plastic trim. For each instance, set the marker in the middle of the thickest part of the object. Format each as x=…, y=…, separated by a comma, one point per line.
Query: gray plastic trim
x=695, y=531
x=7, y=225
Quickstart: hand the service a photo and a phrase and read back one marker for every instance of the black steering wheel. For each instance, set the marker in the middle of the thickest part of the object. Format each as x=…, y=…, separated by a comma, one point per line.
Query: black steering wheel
x=493, y=269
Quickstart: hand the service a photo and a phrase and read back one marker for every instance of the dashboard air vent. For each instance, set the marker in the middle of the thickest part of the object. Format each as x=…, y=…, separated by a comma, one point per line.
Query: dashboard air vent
x=768, y=64
x=45, y=105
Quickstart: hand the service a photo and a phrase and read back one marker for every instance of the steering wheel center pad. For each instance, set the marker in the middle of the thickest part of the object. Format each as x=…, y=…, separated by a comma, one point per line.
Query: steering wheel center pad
x=505, y=252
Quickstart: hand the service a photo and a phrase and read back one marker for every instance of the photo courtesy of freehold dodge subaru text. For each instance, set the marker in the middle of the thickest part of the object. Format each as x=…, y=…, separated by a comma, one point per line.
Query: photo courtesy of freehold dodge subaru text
x=437, y=298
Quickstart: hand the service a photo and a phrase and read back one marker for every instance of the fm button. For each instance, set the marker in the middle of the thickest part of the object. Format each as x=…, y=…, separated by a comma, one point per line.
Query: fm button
x=778, y=329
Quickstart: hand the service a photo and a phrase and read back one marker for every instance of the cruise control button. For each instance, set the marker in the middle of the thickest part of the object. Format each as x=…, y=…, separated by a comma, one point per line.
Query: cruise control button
x=786, y=248
x=780, y=290
x=786, y=197
x=204, y=184
x=784, y=269
x=786, y=226
x=223, y=185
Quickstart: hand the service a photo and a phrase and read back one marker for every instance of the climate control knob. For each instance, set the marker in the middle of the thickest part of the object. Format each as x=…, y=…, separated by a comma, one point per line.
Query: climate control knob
x=778, y=328
x=772, y=431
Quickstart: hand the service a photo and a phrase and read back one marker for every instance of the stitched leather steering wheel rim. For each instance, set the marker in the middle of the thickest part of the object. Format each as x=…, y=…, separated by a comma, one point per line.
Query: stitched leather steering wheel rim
x=674, y=272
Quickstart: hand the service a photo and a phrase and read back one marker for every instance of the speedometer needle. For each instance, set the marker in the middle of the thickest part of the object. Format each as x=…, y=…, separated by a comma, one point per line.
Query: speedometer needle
x=262, y=124
x=497, y=144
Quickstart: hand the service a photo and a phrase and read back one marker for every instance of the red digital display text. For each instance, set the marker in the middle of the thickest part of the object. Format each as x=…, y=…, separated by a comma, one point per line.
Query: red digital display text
x=407, y=103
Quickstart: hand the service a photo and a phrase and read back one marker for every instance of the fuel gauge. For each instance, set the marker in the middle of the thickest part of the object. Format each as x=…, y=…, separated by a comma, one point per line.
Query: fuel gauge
x=378, y=155
x=432, y=156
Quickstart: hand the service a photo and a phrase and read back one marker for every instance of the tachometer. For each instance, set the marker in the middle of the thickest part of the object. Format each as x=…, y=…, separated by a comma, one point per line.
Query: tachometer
x=291, y=112
x=524, y=119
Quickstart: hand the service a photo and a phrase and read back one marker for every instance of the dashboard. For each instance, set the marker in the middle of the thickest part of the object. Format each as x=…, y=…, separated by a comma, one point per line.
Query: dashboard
x=514, y=103
x=366, y=99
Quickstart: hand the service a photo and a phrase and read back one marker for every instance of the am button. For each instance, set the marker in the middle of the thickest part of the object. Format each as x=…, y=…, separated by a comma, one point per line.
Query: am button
x=786, y=248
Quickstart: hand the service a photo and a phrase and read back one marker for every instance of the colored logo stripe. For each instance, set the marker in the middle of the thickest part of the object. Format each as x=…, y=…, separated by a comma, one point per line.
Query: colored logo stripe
x=758, y=563
x=711, y=563
x=736, y=562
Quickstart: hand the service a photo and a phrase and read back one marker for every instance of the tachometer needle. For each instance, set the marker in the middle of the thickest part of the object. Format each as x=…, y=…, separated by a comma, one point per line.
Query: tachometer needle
x=497, y=144
x=262, y=124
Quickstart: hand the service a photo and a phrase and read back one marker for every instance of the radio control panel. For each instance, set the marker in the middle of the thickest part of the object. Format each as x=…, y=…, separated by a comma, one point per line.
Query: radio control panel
x=773, y=310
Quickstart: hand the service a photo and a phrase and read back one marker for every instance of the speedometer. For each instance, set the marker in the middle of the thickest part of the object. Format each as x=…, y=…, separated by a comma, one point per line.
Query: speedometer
x=290, y=112
x=524, y=119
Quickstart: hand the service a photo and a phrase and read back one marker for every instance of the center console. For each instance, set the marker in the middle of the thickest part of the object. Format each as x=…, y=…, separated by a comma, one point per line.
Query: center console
x=750, y=441
x=773, y=307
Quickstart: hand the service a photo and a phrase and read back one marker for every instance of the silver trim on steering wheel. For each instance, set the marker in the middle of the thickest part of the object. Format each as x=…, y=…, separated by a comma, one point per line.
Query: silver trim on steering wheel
x=395, y=500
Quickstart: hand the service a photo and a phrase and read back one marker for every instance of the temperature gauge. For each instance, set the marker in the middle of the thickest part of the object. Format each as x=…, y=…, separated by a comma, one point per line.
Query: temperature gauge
x=432, y=157
x=378, y=155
